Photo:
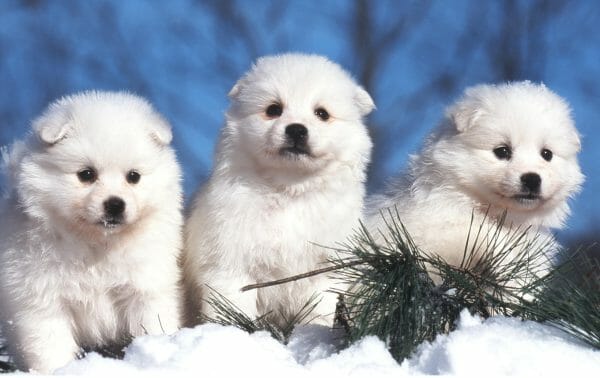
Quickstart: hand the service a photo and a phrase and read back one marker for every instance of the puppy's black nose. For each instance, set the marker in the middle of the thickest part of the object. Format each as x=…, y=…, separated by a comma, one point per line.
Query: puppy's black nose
x=297, y=133
x=531, y=182
x=114, y=206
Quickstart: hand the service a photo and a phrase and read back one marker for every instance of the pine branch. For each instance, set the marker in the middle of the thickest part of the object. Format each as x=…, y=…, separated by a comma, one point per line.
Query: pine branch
x=569, y=299
x=394, y=297
x=260, y=285
x=228, y=314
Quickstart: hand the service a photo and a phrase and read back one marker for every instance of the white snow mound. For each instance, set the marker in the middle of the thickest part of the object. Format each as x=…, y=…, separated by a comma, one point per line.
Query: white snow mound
x=497, y=346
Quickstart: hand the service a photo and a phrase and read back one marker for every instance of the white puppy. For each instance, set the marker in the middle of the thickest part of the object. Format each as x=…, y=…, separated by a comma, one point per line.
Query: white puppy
x=288, y=179
x=91, y=233
x=510, y=147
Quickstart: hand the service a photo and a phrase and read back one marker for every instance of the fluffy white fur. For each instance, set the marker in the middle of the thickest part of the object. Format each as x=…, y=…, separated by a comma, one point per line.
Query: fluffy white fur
x=71, y=276
x=457, y=172
x=265, y=213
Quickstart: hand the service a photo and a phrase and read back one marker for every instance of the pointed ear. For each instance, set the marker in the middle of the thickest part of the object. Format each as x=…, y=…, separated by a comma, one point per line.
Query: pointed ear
x=364, y=101
x=160, y=130
x=464, y=115
x=235, y=90
x=53, y=134
x=464, y=120
x=52, y=126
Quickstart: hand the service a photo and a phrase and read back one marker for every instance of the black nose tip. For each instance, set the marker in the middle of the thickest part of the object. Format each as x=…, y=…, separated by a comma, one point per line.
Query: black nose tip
x=531, y=182
x=297, y=133
x=114, y=206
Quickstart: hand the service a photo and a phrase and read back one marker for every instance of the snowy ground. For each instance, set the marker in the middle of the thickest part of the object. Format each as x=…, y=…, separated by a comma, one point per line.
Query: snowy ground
x=497, y=346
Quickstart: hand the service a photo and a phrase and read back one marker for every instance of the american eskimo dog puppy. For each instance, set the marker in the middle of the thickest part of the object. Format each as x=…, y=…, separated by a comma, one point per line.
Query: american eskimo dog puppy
x=501, y=148
x=288, y=180
x=91, y=230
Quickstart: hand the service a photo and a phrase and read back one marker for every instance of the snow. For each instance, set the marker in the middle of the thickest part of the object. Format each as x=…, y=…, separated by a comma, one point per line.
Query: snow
x=496, y=346
x=505, y=346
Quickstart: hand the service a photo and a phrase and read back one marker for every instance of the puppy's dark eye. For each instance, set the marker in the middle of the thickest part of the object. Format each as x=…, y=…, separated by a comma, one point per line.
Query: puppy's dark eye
x=274, y=110
x=547, y=154
x=133, y=177
x=503, y=152
x=87, y=175
x=322, y=114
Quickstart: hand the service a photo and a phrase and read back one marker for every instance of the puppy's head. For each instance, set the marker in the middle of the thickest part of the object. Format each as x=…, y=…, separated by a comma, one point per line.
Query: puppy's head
x=297, y=113
x=99, y=163
x=514, y=146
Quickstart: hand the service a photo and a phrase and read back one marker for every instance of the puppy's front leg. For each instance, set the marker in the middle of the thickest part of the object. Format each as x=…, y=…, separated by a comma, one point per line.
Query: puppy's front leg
x=153, y=313
x=44, y=344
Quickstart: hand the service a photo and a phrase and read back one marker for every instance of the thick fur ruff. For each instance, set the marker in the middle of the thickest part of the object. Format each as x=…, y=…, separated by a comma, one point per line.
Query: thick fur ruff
x=271, y=204
x=74, y=271
x=463, y=169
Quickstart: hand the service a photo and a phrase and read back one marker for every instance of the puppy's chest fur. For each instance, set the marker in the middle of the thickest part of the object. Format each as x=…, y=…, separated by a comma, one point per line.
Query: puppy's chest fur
x=275, y=233
x=70, y=270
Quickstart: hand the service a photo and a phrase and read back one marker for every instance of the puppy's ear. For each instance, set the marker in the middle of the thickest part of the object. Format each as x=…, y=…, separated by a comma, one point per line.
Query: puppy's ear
x=469, y=110
x=235, y=90
x=160, y=130
x=464, y=115
x=53, y=126
x=464, y=120
x=53, y=134
x=363, y=101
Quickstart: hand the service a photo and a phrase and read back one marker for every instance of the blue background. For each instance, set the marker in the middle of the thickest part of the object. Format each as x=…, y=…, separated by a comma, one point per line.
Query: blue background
x=414, y=57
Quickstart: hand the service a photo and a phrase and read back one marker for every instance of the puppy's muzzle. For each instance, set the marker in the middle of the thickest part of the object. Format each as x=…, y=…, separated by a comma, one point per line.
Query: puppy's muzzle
x=296, y=140
x=531, y=184
x=114, y=210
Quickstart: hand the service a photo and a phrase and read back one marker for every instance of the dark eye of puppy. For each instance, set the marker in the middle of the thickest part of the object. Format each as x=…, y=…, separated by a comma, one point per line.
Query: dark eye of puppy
x=547, y=154
x=274, y=110
x=322, y=114
x=87, y=175
x=133, y=177
x=503, y=152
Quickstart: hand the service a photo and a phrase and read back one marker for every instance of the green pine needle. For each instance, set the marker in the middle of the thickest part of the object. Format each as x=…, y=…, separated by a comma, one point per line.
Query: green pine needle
x=569, y=299
x=227, y=313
